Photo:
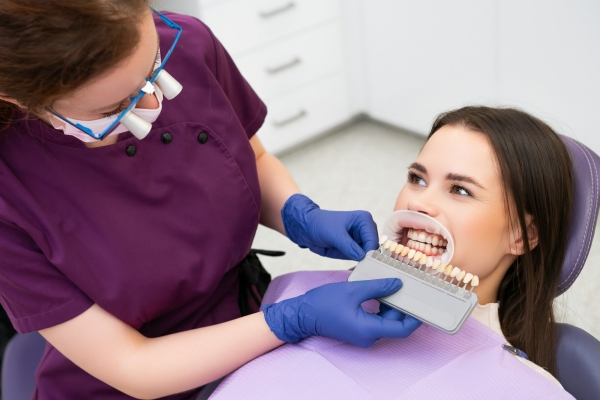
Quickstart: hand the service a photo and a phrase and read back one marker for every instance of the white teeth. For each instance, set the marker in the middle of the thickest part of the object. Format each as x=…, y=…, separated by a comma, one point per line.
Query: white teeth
x=435, y=241
x=413, y=235
x=428, y=248
x=428, y=239
x=421, y=237
x=421, y=246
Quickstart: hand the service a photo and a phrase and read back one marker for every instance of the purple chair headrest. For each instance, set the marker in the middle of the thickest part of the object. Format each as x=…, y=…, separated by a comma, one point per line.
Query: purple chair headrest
x=586, y=174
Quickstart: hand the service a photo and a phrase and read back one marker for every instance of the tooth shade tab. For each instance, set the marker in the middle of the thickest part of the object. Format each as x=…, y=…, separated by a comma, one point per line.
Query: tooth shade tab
x=393, y=246
x=436, y=264
x=475, y=281
x=455, y=271
x=382, y=239
x=399, y=249
x=411, y=254
x=448, y=269
x=429, y=262
x=468, y=278
x=405, y=251
x=460, y=276
x=417, y=256
x=423, y=259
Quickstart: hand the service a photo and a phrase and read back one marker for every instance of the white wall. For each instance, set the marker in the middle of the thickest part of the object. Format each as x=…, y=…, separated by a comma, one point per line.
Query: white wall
x=429, y=56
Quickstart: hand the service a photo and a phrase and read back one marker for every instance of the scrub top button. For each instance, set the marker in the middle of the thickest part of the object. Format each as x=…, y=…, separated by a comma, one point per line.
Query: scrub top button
x=166, y=138
x=203, y=137
x=130, y=150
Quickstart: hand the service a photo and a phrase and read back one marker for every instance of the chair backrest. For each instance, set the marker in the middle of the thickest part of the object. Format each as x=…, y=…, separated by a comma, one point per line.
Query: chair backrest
x=578, y=353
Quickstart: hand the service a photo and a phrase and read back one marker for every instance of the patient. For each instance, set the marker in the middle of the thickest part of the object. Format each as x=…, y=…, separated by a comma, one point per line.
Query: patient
x=500, y=180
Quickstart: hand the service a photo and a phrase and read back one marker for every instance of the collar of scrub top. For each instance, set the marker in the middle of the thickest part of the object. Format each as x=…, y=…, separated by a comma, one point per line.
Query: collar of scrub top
x=173, y=88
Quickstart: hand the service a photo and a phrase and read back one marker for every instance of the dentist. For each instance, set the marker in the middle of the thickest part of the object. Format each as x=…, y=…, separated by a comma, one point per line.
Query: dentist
x=124, y=221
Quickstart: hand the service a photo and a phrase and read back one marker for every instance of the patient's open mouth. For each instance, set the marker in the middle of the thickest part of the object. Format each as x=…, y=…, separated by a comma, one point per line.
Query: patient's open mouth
x=430, y=244
x=419, y=233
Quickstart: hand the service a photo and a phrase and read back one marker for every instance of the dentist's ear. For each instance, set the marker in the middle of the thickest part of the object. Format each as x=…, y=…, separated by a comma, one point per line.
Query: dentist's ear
x=9, y=99
x=517, y=245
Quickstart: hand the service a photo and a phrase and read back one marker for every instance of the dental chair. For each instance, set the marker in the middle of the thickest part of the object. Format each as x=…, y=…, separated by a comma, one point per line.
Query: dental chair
x=578, y=353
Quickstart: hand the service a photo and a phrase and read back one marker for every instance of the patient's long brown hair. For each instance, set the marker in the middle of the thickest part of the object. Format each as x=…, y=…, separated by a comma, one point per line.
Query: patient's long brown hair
x=536, y=172
x=49, y=48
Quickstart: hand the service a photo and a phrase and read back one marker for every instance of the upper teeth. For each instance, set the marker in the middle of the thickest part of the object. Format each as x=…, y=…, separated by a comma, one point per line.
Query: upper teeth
x=421, y=236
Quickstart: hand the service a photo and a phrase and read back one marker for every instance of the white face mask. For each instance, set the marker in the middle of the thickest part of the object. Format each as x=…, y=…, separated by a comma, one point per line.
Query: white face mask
x=99, y=125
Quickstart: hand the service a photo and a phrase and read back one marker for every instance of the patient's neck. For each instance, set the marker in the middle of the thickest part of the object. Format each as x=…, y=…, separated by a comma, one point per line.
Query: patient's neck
x=487, y=291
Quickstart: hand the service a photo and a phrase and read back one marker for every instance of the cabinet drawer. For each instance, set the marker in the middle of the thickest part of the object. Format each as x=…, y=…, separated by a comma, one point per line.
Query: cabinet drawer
x=295, y=117
x=244, y=24
x=294, y=62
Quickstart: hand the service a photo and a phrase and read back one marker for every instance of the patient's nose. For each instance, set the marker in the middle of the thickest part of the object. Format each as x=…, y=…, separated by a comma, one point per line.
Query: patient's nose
x=423, y=203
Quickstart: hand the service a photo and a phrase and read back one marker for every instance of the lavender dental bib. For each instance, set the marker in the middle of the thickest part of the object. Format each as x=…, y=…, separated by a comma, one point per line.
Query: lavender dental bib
x=428, y=365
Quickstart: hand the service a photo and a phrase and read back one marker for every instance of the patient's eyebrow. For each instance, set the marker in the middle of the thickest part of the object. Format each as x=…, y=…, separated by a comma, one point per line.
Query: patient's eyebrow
x=462, y=178
x=419, y=167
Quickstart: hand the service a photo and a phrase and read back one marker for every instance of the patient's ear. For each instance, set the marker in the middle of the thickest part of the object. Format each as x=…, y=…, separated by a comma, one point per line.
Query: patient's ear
x=517, y=245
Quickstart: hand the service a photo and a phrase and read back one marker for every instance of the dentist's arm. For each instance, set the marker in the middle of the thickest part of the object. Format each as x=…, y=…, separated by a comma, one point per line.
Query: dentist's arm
x=334, y=234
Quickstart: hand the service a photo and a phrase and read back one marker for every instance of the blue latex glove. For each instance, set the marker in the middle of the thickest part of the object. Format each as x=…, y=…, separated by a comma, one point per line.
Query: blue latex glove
x=334, y=234
x=334, y=311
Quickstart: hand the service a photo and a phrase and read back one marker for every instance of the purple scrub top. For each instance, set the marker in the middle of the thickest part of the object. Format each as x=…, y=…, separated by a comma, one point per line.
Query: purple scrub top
x=149, y=230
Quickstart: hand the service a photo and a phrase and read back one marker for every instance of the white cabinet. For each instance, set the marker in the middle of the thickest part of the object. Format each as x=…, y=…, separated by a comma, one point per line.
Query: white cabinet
x=292, y=54
x=426, y=57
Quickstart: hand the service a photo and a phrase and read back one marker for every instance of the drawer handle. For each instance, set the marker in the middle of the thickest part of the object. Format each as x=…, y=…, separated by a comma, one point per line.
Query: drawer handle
x=284, y=66
x=286, y=121
x=279, y=10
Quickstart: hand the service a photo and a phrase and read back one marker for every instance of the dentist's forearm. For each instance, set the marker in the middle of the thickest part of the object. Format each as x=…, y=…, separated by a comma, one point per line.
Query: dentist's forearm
x=276, y=186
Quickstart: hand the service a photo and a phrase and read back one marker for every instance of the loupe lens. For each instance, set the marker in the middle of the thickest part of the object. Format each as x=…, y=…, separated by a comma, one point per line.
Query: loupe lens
x=137, y=125
x=168, y=85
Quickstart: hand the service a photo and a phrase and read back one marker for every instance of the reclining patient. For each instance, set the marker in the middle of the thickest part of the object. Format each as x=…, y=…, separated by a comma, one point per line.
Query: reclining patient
x=500, y=180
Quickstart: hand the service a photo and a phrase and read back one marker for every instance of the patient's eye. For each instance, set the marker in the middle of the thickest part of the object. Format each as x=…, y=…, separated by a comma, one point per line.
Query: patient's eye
x=416, y=179
x=461, y=191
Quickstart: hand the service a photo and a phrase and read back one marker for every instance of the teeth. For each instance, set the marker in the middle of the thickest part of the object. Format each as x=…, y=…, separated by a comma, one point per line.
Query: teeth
x=417, y=255
x=405, y=251
x=428, y=248
x=399, y=249
x=423, y=259
x=411, y=254
x=428, y=239
x=454, y=272
x=475, y=281
x=421, y=237
x=421, y=246
x=460, y=276
x=393, y=246
x=429, y=263
x=436, y=264
x=435, y=241
x=387, y=244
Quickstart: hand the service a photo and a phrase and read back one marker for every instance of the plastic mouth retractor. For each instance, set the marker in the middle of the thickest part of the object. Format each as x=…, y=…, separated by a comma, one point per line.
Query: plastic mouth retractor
x=398, y=220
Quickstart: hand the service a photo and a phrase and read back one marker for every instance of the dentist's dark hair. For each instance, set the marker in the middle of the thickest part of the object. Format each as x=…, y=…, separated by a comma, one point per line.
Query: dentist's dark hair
x=50, y=48
x=536, y=172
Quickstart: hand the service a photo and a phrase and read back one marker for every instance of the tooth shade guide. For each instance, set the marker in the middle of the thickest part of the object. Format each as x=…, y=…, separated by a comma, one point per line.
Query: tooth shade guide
x=468, y=278
x=382, y=240
x=460, y=276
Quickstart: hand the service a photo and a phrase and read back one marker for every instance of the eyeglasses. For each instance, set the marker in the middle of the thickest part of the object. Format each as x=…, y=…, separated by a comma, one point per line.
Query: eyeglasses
x=168, y=85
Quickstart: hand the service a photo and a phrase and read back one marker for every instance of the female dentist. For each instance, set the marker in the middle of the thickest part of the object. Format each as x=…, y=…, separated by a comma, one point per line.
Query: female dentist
x=123, y=224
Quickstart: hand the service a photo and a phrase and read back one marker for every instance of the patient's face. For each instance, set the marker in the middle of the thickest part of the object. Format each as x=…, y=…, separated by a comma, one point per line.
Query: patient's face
x=456, y=181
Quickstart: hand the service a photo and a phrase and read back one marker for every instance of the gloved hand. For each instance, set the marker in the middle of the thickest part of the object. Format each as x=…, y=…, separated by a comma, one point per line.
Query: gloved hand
x=334, y=234
x=334, y=311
